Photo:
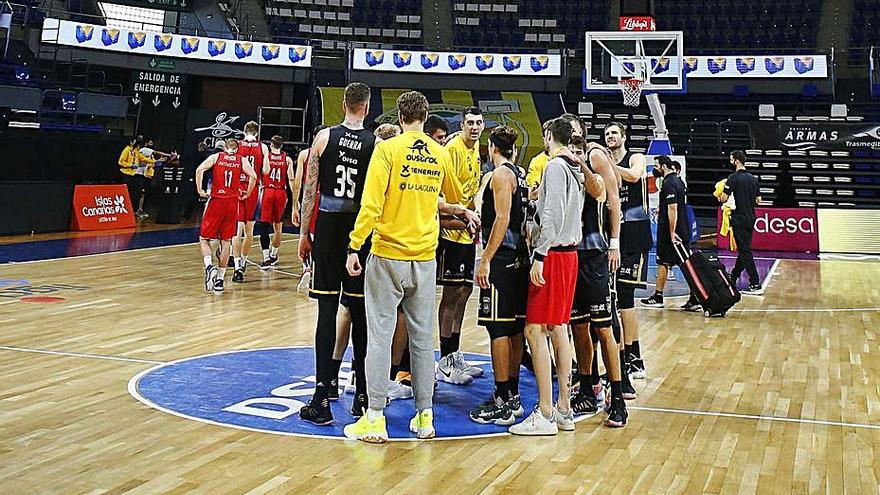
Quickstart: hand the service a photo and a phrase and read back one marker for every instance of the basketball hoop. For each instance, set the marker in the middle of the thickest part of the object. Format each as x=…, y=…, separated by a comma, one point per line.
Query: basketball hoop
x=631, y=88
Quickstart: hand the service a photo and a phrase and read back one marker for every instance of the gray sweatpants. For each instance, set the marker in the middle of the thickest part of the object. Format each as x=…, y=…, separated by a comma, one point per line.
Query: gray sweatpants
x=412, y=285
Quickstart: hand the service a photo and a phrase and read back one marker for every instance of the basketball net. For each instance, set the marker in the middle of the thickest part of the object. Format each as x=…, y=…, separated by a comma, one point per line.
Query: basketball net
x=631, y=88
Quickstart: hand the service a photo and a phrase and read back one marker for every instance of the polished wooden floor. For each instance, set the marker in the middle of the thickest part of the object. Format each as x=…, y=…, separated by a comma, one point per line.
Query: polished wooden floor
x=781, y=396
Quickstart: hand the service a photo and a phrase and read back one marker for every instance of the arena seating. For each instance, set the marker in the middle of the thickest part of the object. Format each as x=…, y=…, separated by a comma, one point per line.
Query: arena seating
x=865, y=30
x=389, y=21
x=705, y=131
x=511, y=23
x=742, y=24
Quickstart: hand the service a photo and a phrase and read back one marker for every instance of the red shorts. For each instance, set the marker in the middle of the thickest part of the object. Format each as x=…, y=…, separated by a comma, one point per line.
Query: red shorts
x=220, y=219
x=249, y=206
x=551, y=304
x=272, y=205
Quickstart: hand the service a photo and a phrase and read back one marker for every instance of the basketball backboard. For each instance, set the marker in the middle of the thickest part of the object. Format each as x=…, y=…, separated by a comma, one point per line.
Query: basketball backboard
x=653, y=57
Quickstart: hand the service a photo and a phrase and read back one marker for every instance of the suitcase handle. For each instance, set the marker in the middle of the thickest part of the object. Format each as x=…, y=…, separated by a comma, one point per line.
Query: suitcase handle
x=682, y=251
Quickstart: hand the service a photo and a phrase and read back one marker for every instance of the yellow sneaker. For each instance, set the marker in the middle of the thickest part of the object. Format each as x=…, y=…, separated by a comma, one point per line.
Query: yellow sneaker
x=367, y=431
x=422, y=424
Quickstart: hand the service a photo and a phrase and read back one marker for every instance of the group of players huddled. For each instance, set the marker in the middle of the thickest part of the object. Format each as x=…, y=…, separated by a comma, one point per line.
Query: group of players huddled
x=387, y=215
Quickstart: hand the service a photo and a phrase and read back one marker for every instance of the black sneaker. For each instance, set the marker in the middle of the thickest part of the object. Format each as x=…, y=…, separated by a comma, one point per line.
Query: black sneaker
x=333, y=390
x=617, y=414
x=210, y=275
x=515, y=406
x=317, y=412
x=754, y=290
x=218, y=286
x=267, y=263
x=493, y=412
x=359, y=405
x=636, y=368
x=655, y=301
x=231, y=262
x=238, y=276
x=629, y=392
x=584, y=404
x=691, y=306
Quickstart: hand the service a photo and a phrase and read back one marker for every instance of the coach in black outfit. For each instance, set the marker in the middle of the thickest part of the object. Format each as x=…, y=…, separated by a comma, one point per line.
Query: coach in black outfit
x=744, y=188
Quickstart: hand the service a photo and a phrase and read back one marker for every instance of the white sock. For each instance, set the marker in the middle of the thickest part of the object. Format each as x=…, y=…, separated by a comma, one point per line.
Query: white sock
x=243, y=261
x=430, y=410
x=273, y=251
x=265, y=254
x=208, y=260
x=222, y=273
x=373, y=415
x=237, y=263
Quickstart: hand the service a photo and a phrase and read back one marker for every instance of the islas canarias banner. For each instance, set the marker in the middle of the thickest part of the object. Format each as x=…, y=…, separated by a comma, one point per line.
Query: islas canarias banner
x=473, y=64
x=150, y=43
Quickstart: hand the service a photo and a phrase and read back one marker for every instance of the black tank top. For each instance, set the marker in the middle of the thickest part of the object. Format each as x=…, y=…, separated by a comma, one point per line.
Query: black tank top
x=635, y=227
x=593, y=220
x=515, y=236
x=343, y=168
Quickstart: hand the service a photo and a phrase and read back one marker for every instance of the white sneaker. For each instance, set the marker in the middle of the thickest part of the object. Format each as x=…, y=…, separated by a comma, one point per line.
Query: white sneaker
x=465, y=366
x=449, y=373
x=305, y=282
x=397, y=390
x=535, y=425
x=564, y=422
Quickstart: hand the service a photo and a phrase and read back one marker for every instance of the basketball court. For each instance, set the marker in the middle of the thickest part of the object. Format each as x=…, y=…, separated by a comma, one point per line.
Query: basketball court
x=122, y=374
x=130, y=378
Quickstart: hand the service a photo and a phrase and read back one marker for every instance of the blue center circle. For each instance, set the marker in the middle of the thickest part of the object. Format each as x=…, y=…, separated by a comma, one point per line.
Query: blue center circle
x=263, y=390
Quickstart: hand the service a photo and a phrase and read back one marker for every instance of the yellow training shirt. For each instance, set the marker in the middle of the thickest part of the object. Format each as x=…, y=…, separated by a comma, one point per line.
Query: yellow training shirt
x=536, y=169
x=466, y=167
x=128, y=161
x=406, y=175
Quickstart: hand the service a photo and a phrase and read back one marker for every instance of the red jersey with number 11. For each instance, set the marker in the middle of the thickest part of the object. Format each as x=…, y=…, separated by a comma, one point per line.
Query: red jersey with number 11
x=277, y=176
x=225, y=181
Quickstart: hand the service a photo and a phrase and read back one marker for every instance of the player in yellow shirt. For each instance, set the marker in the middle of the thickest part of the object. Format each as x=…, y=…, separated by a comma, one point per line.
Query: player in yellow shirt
x=399, y=208
x=456, y=253
x=536, y=169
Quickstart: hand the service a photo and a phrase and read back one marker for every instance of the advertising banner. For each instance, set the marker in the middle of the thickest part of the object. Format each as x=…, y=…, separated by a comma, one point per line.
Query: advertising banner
x=781, y=229
x=173, y=45
x=818, y=135
x=637, y=23
x=739, y=66
x=101, y=208
x=473, y=64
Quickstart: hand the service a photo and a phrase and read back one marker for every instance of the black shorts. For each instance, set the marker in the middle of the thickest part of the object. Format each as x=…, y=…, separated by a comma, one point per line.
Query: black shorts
x=455, y=263
x=633, y=271
x=592, y=294
x=329, y=252
x=666, y=254
x=505, y=308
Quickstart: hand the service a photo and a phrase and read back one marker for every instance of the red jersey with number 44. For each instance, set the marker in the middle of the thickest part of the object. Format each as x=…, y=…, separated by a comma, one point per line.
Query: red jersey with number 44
x=225, y=182
x=252, y=151
x=277, y=176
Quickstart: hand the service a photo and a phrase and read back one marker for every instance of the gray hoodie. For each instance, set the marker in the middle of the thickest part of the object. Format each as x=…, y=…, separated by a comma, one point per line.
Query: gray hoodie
x=559, y=207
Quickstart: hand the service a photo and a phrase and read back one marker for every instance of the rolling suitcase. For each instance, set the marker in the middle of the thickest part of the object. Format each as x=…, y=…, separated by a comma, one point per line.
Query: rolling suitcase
x=708, y=280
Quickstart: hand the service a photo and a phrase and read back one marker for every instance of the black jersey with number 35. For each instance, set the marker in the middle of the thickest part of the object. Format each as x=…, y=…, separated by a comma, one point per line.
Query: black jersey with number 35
x=343, y=168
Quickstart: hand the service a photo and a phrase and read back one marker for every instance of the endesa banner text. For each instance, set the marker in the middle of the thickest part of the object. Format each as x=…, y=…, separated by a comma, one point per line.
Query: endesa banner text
x=493, y=64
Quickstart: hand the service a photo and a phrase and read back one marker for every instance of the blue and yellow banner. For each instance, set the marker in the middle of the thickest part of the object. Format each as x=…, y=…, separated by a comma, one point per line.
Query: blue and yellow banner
x=476, y=64
x=82, y=35
x=737, y=66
